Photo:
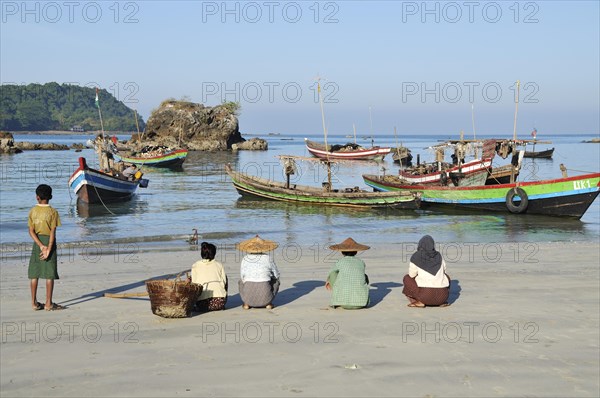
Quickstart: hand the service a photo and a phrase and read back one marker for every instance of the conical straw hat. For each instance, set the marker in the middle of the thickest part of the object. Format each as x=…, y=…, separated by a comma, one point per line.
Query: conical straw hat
x=349, y=245
x=257, y=245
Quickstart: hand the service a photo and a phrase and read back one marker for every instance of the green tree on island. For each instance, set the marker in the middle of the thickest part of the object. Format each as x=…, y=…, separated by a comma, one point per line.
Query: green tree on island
x=53, y=106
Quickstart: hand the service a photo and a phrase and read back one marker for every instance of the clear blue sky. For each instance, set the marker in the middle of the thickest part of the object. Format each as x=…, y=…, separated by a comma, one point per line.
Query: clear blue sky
x=413, y=65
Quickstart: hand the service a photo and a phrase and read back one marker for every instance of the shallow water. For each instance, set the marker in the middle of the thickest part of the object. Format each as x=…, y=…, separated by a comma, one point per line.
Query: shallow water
x=202, y=197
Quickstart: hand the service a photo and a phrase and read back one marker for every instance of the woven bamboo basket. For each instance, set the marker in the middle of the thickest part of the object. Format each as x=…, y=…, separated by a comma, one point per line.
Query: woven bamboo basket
x=172, y=298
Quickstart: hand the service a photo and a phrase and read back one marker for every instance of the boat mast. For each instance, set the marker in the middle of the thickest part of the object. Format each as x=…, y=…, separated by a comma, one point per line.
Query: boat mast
x=354, y=128
x=327, y=162
x=371, y=131
x=99, y=114
x=512, y=170
x=398, y=148
x=516, y=111
x=473, y=123
x=101, y=149
x=137, y=126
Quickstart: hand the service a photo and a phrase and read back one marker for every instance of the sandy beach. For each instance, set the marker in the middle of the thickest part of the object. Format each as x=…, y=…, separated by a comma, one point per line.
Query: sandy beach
x=523, y=321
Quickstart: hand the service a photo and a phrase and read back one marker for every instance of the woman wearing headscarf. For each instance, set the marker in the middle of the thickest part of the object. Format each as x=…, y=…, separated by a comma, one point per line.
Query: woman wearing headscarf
x=259, y=276
x=347, y=278
x=426, y=282
x=210, y=274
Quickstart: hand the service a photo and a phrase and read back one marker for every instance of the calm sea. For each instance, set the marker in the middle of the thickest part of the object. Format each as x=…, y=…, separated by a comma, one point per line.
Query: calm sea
x=202, y=197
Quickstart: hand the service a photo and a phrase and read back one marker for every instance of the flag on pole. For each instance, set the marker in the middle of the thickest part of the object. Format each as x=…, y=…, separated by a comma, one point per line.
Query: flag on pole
x=97, y=101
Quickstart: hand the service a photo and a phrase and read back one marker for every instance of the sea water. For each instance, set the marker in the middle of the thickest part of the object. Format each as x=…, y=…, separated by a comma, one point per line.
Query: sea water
x=202, y=197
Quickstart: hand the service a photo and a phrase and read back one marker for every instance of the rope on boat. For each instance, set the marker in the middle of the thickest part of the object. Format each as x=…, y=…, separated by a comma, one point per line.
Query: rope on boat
x=582, y=171
x=101, y=201
x=70, y=197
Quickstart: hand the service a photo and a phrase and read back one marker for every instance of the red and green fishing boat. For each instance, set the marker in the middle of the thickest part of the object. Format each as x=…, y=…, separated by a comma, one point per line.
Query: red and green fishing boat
x=566, y=197
x=157, y=157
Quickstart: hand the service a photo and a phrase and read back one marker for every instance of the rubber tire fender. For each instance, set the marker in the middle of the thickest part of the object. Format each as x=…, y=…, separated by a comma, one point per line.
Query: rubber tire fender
x=511, y=206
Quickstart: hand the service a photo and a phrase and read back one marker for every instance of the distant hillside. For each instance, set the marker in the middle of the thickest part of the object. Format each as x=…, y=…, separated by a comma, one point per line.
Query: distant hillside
x=52, y=106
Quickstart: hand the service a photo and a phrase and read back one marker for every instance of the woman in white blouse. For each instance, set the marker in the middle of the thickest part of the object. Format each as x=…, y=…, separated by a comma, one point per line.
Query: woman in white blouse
x=259, y=276
x=210, y=274
x=427, y=282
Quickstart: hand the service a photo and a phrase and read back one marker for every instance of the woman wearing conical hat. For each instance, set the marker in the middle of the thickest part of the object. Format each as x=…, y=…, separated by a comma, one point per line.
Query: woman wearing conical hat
x=259, y=276
x=347, y=278
x=427, y=282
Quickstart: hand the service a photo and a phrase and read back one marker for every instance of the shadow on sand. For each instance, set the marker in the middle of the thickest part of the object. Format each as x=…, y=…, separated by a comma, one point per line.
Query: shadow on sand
x=381, y=290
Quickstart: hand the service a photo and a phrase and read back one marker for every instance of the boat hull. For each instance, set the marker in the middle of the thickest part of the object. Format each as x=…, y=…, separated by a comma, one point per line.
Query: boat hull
x=255, y=187
x=319, y=151
x=170, y=160
x=547, y=154
x=464, y=180
x=472, y=167
x=92, y=186
x=566, y=197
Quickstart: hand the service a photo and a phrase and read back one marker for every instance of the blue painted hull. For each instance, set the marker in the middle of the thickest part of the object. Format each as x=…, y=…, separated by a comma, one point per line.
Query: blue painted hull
x=93, y=186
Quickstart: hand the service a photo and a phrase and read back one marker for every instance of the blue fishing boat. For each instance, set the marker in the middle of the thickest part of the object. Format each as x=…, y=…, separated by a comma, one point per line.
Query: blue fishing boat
x=106, y=185
x=93, y=186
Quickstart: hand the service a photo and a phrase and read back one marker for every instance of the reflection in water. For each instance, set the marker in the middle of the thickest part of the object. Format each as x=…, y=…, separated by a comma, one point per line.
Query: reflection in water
x=511, y=227
x=134, y=206
x=96, y=221
x=318, y=226
x=291, y=209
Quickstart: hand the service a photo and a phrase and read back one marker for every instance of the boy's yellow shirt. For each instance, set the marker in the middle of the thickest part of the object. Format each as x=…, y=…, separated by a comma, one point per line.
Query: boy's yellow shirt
x=43, y=218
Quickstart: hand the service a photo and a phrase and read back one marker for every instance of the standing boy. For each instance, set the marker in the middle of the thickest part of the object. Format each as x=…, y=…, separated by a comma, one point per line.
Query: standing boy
x=43, y=220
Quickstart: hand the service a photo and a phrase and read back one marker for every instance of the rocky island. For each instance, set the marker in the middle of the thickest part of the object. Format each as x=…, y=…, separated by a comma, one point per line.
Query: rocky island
x=196, y=127
x=8, y=145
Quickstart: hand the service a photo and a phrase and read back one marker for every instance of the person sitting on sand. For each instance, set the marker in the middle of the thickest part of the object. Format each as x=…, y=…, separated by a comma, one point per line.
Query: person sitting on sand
x=210, y=274
x=426, y=282
x=259, y=276
x=347, y=278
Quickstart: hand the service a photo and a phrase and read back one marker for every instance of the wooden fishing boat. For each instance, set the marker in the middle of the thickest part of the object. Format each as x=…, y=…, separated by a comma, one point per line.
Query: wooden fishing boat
x=93, y=186
x=252, y=186
x=156, y=157
x=449, y=178
x=473, y=172
x=547, y=154
x=106, y=185
x=349, y=151
x=566, y=197
x=402, y=155
x=258, y=187
x=457, y=173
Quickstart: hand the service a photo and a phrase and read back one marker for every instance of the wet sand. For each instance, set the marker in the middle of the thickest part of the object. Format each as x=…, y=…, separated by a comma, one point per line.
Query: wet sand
x=523, y=321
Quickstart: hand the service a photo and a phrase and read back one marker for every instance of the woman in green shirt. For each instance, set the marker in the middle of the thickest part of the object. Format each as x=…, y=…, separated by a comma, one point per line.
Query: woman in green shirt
x=347, y=278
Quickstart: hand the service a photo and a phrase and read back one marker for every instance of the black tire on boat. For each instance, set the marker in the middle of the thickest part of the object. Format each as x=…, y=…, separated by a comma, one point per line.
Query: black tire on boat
x=510, y=204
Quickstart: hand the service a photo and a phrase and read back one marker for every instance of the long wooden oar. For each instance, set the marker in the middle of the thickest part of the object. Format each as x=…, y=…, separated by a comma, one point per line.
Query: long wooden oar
x=139, y=294
x=125, y=295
